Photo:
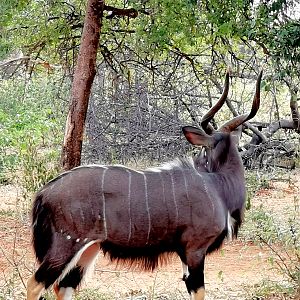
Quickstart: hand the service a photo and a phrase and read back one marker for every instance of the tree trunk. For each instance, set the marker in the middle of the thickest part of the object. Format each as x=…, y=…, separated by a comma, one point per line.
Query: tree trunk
x=83, y=79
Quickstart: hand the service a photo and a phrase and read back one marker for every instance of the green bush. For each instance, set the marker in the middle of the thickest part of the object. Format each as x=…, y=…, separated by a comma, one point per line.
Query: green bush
x=280, y=233
x=255, y=181
x=32, y=116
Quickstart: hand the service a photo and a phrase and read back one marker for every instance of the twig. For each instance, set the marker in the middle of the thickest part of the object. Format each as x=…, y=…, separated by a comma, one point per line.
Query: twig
x=285, y=268
x=120, y=12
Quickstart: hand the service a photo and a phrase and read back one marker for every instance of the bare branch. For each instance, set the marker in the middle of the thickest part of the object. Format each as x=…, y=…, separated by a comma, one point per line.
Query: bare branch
x=120, y=12
x=294, y=109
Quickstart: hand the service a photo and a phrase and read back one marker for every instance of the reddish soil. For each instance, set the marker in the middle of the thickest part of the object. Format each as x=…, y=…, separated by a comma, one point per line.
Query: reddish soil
x=230, y=273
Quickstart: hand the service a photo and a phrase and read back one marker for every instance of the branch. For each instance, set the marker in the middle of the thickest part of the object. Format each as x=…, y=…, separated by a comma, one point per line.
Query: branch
x=295, y=110
x=268, y=132
x=191, y=113
x=120, y=12
x=14, y=60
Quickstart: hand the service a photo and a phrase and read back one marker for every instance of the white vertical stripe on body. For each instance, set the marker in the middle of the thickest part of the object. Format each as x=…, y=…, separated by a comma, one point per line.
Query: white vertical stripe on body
x=147, y=206
x=104, y=204
x=187, y=194
x=129, y=203
x=164, y=200
x=185, y=184
x=207, y=192
x=174, y=198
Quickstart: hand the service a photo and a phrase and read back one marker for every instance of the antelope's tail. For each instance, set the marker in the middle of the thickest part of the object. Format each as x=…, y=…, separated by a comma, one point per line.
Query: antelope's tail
x=42, y=227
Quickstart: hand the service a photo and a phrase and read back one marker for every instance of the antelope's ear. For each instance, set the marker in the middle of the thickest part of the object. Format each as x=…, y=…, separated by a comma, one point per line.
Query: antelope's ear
x=197, y=136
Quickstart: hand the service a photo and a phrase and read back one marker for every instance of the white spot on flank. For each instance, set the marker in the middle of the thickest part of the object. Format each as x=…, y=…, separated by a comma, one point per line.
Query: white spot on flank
x=147, y=207
x=68, y=237
x=104, y=205
x=78, y=240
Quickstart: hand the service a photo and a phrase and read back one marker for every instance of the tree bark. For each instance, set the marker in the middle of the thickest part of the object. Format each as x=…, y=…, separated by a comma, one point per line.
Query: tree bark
x=83, y=79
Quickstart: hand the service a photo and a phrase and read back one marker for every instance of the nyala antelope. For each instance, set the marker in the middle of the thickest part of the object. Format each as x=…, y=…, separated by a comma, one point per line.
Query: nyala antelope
x=187, y=206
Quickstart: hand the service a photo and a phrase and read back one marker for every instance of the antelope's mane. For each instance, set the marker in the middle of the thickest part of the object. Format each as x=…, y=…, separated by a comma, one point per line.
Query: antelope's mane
x=179, y=163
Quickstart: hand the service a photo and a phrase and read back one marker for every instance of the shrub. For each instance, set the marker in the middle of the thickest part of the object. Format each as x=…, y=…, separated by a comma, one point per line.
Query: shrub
x=31, y=130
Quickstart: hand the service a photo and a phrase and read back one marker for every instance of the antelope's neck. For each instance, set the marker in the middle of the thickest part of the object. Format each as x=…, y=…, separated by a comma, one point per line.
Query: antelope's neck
x=231, y=186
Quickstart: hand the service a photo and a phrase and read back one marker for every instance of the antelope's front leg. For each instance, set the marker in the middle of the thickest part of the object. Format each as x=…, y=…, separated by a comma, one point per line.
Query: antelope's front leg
x=195, y=279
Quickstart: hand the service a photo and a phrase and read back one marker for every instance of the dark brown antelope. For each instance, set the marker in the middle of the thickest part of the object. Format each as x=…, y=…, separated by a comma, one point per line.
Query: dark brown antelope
x=188, y=207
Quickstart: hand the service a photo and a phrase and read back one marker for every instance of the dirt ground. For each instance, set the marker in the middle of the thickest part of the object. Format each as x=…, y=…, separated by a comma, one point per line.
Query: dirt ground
x=231, y=273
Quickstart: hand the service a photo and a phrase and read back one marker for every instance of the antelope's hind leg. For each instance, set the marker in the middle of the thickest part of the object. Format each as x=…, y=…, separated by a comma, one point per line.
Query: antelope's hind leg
x=54, y=263
x=65, y=287
x=44, y=277
x=34, y=288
